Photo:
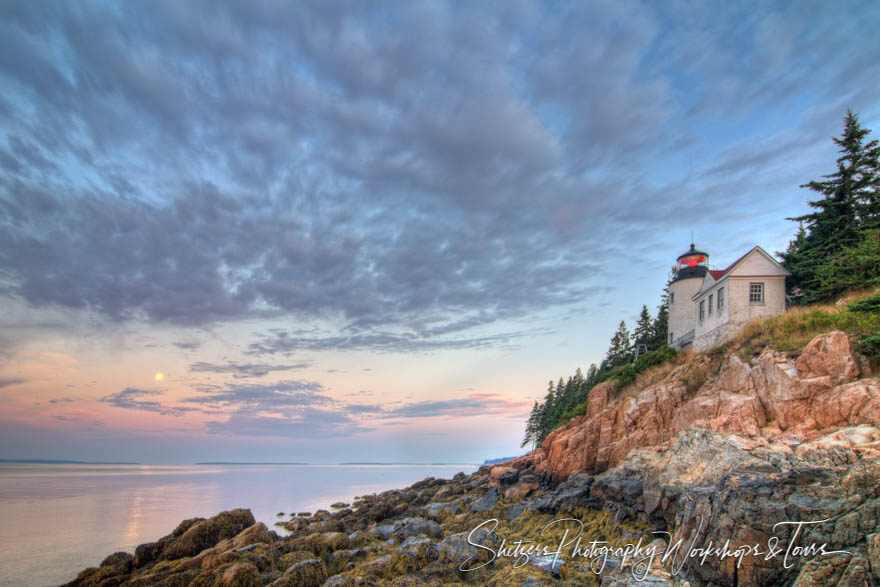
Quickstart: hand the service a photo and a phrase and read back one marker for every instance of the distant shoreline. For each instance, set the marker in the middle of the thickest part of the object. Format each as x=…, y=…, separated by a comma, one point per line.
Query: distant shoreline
x=232, y=463
x=63, y=462
x=346, y=464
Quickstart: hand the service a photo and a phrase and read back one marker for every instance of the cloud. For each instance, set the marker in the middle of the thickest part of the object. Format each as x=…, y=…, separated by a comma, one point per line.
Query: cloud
x=191, y=345
x=283, y=396
x=241, y=371
x=301, y=409
x=130, y=399
x=292, y=408
x=9, y=382
x=286, y=343
x=409, y=176
x=474, y=404
x=312, y=423
x=79, y=416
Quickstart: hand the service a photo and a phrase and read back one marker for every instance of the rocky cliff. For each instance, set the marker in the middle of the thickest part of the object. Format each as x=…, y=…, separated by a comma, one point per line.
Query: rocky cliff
x=772, y=399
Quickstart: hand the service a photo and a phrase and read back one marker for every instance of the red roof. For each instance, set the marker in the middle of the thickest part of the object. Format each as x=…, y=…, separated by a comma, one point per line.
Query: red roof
x=719, y=273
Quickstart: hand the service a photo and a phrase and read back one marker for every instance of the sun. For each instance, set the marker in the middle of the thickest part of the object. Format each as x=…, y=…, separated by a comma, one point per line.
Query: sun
x=160, y=376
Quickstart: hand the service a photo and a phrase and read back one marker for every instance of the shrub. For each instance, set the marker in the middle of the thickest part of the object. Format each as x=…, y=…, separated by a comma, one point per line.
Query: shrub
x=869, y=305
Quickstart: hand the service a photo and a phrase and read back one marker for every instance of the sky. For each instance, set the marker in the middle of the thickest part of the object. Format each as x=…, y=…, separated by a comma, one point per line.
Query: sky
x=373, y=231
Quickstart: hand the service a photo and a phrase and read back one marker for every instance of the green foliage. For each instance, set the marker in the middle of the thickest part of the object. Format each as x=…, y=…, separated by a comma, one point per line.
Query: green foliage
x=578, y=410
x=837, y=246
x=871, y=344
x=854, y=267
x=650, y=359
x=870, y=305
x=624, y=375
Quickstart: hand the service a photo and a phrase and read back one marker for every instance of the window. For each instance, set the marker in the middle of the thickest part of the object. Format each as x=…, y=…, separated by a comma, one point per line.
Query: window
x=670, y=337
x=702, y=310
x=710, y=304
x=720, y=298
x=671, y=297
x=756, y=293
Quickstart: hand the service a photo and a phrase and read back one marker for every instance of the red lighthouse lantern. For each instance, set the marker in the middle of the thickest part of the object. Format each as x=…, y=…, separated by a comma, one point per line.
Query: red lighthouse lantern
x=693, y=263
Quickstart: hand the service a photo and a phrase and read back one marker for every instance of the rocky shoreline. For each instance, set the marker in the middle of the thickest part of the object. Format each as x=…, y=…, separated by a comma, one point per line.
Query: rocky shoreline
x=426, y=534
x=761, y=471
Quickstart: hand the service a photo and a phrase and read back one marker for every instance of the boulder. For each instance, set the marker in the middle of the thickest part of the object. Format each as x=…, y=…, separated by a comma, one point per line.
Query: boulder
x=503, y=476
x=241, y=575
x=486, y=502
x=206, y=533
x=322, y=544
x=828, y=356
x=457, y=550
x=521, y=489
x=358, y=538
x=413, y=554
x=383, y=532
x=338, y=560
x=410, y=527
x=308, y=573
x=120, y=561
x=289, y=559
x=251, y=535
x=440, y=512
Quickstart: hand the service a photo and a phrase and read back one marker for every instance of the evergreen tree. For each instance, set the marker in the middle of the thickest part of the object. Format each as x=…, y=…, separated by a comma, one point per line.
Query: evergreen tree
x=573, y=389
x=642, y=333
x=558, y=401
x=620, y=349
x=592, y=376
x=545, y=421
x=855, y=267
x=850, y=206
x=532, y=425
x=660, y=328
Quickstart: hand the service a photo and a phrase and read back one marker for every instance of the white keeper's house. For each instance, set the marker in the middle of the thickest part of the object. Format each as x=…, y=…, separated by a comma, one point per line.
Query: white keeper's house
x=709, y=306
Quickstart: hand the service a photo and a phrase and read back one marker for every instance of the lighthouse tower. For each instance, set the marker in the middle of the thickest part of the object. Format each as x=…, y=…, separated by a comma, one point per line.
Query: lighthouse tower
x=691, y=268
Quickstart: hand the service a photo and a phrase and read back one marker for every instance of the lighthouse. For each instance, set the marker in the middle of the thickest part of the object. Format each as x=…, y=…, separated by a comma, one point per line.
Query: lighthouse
x=690, y=269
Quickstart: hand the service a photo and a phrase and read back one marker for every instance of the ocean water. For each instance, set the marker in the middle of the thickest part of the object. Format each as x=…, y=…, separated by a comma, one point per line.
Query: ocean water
x=55, y=520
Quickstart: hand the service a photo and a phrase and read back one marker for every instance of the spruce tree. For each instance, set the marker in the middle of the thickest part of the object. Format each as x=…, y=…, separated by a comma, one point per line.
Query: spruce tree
x=660, y=328
x=620, y=348
x=545, y=421
x=592, y=375
x=642, y=333
x=848, y=208
x=532, y=425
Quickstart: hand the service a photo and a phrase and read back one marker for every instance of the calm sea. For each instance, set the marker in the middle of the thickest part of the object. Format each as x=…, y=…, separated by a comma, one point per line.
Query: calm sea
x=56, y=520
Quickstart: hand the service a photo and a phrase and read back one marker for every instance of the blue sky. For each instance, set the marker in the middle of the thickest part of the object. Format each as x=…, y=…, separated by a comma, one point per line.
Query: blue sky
x=348, y=231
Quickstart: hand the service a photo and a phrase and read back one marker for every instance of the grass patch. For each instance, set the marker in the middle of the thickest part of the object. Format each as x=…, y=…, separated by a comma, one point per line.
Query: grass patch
x=856, y=314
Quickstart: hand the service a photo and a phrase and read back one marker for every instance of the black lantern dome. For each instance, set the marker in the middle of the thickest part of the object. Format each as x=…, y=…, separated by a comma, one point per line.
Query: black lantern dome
x=693, y=263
